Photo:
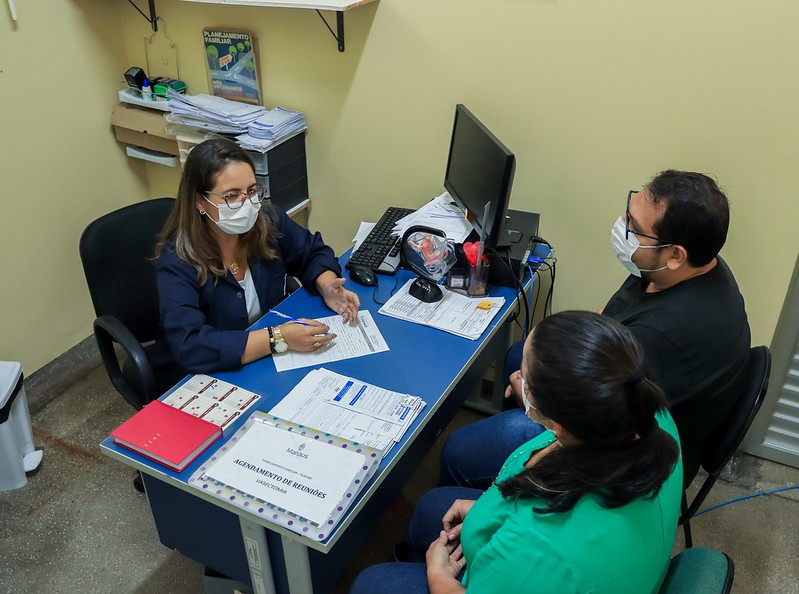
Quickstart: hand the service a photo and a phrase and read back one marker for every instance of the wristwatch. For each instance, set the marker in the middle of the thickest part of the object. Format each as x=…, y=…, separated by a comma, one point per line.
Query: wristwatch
x=277, y=343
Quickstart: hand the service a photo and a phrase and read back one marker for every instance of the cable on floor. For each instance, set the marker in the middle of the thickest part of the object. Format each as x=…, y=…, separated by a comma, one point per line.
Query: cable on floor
x=737, y=499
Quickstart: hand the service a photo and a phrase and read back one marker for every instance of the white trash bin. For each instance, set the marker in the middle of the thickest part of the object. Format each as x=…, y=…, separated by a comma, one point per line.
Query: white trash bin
x=17, y=454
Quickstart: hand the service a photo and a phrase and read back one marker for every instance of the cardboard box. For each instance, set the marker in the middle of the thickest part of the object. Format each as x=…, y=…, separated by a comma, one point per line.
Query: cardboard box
x=138, y=126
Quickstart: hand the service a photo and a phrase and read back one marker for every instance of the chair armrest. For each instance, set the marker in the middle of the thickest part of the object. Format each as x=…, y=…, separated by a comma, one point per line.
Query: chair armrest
x=109, y=330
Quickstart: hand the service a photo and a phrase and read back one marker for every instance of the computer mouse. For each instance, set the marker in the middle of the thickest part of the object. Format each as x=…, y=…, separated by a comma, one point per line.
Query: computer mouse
x=425, y=291
x=363, y=276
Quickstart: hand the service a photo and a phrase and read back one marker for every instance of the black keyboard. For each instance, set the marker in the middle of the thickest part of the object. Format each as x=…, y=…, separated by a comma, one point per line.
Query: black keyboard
x=380, y=250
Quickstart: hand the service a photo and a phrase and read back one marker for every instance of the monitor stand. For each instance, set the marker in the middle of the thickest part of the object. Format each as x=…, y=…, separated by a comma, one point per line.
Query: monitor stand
x=520, y=226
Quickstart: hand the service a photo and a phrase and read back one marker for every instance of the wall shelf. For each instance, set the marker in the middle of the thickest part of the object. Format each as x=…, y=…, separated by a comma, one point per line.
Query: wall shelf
x=337, y=6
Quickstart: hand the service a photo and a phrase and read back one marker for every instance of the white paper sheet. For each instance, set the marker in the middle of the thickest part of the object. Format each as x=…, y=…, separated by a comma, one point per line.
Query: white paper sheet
x=361, y=234
x=306, y=477
x=440, y=213
x=454, y=313
x=349, y=408
x=352, y=340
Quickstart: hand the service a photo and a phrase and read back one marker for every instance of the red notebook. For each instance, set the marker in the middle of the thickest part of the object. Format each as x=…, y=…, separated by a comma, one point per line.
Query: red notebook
x=166, y=435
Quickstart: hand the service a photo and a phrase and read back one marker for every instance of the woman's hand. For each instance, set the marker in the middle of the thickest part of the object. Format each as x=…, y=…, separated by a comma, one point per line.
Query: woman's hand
x=306, y=338
x=514, y=389
x=454, y=517
x=444, y=562
x=340, y=300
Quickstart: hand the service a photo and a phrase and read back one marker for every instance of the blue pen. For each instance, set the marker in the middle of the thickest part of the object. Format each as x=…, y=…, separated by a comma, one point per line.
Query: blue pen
x=293, y=319
x=282, y=315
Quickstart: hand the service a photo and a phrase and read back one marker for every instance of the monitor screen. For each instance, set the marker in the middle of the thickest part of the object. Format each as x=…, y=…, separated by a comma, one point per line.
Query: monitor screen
x=480, y=172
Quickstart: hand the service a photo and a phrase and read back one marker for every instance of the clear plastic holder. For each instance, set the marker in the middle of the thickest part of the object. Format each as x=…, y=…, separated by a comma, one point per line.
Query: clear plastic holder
x=478, y=279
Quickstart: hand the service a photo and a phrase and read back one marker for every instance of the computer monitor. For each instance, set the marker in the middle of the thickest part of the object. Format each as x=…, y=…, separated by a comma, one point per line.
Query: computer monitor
x=479, y=172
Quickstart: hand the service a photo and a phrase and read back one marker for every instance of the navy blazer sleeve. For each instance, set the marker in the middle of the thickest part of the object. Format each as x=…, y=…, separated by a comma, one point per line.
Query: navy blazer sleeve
x=197, y=345
x=305, y=254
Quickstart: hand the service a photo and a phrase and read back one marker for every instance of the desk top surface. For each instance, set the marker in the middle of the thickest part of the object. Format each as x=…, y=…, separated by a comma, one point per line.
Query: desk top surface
x=422, y=361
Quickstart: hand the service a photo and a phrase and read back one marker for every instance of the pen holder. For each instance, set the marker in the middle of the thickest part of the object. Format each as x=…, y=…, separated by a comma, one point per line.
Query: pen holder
x=478, y=279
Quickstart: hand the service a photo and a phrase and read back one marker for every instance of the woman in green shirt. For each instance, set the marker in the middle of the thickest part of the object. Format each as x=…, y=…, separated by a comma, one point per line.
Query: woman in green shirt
x=590, y=505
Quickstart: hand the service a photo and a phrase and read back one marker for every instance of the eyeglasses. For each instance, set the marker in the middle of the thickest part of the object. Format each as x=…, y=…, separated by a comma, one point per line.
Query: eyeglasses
x=256, y=194
x=627, y=229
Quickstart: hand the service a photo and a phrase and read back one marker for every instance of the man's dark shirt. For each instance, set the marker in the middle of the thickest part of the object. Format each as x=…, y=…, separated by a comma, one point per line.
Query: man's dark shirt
x=696, y=339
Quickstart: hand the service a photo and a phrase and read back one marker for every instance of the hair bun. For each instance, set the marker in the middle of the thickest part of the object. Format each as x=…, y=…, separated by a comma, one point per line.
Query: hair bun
x=636, y=378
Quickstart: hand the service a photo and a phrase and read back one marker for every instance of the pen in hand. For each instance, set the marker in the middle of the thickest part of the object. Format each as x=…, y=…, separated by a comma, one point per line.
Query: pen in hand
x=293, y=319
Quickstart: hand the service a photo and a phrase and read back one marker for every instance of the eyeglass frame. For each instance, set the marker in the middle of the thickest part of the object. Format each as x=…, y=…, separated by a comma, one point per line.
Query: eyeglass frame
x=259, y=189
x=627, y=230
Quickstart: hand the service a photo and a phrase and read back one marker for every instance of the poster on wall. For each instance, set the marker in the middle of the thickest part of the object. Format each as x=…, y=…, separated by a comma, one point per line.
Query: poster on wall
x=232, y=71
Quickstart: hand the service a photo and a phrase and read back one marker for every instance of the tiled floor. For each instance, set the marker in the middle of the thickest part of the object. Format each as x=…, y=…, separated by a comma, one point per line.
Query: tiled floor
x=78, y=526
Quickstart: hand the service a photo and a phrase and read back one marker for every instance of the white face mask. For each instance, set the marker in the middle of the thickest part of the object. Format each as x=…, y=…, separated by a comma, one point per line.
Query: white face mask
x=237, y=221
x=626, y=247
x=527, y=406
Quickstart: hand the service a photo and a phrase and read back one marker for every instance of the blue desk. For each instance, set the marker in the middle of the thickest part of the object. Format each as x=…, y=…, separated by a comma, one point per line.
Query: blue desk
x=440, y=368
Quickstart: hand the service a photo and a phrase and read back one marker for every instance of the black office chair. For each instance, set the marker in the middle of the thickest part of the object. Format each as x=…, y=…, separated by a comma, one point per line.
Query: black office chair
x=725, y=441
x=117, y=255
x=699, y=571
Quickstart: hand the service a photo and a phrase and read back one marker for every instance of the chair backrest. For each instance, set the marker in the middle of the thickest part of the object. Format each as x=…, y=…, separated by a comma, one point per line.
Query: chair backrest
x=117, y=254
x=722, y=445
x=699, y=570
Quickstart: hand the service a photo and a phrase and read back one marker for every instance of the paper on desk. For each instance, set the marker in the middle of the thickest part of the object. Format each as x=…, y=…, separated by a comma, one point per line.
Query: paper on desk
x=303, y=476
x=454, y=313
x=440, y=213
x=349, y=408
x=363, y=231
x=352, y=340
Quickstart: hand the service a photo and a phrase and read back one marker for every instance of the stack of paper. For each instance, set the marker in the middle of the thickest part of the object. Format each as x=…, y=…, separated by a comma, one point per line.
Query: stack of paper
x=212, y=113
x=440, y=213
x=350, y=409
x=457, y=314
x=271, y=127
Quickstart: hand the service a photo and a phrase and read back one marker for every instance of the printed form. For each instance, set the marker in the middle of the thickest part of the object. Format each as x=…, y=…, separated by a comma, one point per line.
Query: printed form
x=352, y=340
x=349, y=408
x=457, y=314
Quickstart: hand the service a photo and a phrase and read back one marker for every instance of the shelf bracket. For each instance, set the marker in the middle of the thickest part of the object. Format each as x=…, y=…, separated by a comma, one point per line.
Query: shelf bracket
x=153, y=18
x=339, y=33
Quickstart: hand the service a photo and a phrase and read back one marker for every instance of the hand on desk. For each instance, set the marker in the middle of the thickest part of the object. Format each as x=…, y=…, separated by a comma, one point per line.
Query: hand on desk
x=306, y=337
x=340, y=300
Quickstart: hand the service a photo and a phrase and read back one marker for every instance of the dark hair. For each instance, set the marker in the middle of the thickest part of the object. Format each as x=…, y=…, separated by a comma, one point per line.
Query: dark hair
x=193, y=243
x=697, y=213
x=586, y=371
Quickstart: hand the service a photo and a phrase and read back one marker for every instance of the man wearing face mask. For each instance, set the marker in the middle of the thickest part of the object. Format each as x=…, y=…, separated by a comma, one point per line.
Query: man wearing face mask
x=222, y=262
x=682, y=304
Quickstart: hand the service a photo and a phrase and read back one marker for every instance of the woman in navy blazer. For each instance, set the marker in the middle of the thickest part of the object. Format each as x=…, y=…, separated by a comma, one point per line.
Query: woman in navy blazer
x=222, y=262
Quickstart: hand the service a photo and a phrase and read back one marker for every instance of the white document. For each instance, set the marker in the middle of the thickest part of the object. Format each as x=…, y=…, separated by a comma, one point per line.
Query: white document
x=352, y=340
x=454, y=313
x=301, y=475
x=440, y=213
x=363, y=231
x=349, y=408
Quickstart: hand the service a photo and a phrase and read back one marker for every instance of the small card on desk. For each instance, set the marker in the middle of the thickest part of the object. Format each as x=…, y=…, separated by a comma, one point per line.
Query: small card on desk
x=166, y=435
